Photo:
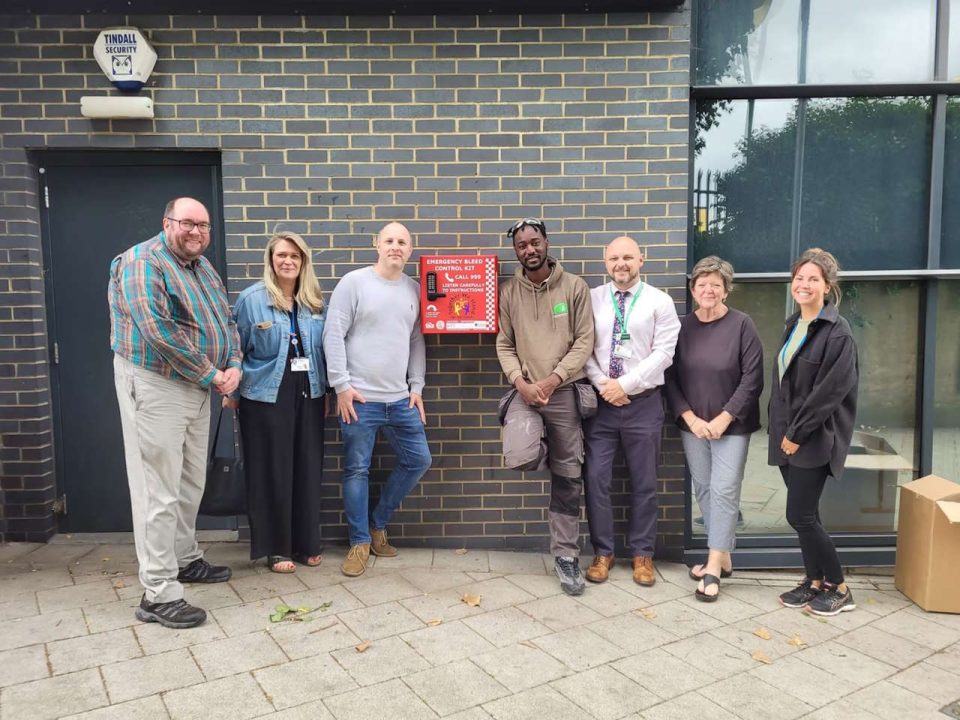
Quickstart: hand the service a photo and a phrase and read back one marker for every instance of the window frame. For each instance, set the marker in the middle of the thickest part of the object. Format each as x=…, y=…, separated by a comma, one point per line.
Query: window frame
x=856, y=548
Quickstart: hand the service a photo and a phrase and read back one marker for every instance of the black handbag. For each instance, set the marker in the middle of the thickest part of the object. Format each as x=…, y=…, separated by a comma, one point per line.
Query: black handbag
x=226, y=490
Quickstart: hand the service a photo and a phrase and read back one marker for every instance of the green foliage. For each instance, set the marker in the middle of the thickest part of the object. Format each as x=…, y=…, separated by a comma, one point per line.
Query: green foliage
x=865, y=179
x=723, y=26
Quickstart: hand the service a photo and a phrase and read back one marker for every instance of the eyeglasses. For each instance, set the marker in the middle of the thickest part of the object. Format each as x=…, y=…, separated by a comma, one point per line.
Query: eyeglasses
x=532, y=222
x=189, y=225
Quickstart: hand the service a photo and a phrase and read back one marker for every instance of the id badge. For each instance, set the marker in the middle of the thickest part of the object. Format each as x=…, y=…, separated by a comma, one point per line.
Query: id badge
x=300, y=364
x=623, y=352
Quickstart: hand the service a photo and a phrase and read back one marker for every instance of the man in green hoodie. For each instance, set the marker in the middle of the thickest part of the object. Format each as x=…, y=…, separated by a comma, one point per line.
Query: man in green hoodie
x=545, y=339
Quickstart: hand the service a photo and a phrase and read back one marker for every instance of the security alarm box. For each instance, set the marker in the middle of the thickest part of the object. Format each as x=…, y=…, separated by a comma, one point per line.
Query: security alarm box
x=458, y=294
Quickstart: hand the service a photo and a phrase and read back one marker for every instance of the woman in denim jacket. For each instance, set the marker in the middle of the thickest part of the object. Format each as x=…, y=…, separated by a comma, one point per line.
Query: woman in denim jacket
x=281, y=402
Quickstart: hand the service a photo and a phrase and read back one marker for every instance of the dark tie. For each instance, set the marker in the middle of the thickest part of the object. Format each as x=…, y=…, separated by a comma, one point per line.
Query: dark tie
x=616, y=363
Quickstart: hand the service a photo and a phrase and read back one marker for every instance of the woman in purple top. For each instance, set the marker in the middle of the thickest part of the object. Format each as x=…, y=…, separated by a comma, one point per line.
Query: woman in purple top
x=714, y=389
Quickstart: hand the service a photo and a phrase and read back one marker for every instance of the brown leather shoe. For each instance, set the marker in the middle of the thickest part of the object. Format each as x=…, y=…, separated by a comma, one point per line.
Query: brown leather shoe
x=379, y=545
x=643, y=573
x=599, y=571
x=356, y=561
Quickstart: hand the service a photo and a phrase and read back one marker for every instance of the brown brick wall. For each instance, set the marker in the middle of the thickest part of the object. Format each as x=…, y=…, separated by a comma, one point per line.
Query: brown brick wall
x=332, y=126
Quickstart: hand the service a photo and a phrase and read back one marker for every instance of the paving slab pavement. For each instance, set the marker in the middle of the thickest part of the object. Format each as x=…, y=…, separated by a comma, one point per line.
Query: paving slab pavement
x=71, y=647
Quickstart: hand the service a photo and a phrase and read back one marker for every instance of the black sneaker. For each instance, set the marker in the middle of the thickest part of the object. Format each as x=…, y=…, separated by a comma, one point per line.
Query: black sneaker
x=200, y=571
x=571, y=579
x=173, y=614
x=830, y=601
x=800, y=595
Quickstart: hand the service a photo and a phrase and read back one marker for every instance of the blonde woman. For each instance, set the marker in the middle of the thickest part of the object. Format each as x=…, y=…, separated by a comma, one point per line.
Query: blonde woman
x=280, y=321
x=714, y=390
x=813, y=404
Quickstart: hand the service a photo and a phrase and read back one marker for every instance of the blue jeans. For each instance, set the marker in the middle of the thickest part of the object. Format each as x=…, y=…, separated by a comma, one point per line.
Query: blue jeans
x=404, y=431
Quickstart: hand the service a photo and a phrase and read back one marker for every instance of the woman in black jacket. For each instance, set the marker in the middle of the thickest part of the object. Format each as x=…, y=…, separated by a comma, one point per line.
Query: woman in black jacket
x=812, y=407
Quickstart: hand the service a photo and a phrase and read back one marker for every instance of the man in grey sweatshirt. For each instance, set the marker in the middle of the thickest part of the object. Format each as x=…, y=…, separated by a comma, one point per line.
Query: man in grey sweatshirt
x=376, y=361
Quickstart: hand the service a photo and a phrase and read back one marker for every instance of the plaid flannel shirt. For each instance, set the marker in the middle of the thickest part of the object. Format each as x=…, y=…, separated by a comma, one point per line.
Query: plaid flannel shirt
x=171, y=316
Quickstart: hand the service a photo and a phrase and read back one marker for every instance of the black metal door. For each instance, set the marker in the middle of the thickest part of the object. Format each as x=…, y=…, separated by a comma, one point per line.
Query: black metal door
x=97, y=204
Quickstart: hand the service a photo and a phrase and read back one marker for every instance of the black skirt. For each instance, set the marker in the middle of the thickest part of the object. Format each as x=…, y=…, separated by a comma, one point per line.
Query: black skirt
x=283, y=456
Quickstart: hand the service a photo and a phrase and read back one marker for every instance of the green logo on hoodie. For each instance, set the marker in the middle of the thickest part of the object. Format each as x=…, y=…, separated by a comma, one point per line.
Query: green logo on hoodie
x=560, y=309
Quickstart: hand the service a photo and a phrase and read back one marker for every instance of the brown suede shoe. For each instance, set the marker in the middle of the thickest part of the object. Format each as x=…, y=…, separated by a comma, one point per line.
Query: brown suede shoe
x=356, y=561
x=599, y=571
x=643, y=573
x=379, y=545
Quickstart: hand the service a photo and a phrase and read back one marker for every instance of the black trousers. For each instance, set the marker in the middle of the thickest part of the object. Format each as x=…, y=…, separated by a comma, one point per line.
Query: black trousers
x=283, y=457
x=804, y=488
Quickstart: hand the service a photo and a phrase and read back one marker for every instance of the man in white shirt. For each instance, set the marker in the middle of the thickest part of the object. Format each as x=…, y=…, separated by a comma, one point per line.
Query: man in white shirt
x=636, y=333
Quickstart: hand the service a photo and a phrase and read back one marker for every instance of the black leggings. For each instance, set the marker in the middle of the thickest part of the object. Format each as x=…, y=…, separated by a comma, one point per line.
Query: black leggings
x=804, y=487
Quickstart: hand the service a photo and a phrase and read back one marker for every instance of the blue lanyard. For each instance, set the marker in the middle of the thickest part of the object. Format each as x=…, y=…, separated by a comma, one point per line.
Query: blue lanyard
x=294, y=331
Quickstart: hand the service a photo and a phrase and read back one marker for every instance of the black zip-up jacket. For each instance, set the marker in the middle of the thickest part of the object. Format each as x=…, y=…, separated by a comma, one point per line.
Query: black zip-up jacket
x=816, y=402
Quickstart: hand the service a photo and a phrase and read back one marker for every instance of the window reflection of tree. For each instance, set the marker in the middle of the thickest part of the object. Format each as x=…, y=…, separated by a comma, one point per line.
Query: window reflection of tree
x=723, y=26
x=865, y=179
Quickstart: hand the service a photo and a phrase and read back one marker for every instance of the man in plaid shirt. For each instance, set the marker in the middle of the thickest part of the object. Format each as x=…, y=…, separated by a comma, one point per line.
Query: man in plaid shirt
x=174, y=339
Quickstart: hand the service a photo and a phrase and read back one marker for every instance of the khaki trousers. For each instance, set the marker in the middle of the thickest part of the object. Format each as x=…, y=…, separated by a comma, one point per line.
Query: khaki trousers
x=166, y=427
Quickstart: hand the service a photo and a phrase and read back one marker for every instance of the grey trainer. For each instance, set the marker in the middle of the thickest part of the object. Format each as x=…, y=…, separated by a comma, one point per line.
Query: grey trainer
x=830, y=601
x=571, y=579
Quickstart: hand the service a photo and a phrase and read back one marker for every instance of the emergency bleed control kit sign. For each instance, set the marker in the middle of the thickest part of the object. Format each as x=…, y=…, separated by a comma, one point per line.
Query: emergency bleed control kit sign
x=458, y=294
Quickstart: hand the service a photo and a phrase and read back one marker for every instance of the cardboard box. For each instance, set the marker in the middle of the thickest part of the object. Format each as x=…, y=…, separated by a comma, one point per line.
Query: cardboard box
x=928, y=544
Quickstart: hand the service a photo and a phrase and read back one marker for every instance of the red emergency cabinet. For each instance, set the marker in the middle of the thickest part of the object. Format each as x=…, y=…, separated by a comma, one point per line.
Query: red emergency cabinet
x=458, y=294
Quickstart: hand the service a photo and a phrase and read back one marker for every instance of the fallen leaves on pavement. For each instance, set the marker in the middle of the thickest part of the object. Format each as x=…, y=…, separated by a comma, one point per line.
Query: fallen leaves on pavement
x=796, y=641
x=282, y=613
x=762, y=633
x=647, y=613
x=460, y=551
x=472, y=600
x=760, y=657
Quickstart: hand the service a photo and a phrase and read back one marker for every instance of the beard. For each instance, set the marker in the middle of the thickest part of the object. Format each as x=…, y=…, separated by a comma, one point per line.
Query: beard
x=534, y=263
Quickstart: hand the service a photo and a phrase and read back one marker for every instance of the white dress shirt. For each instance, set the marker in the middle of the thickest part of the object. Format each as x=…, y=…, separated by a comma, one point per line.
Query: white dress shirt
x=653, y=327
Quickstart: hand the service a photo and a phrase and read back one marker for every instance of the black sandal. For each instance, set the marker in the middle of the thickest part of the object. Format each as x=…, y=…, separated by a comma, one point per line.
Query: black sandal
x=274, y=560
x=723, y=573
x=708, y=580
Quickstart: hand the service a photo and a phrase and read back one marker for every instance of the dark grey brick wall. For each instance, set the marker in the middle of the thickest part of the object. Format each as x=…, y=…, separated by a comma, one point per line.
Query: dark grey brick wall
x=332, y=126
x=27, y=483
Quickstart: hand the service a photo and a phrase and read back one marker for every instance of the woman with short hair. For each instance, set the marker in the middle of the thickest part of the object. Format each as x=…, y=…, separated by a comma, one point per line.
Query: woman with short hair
x=714, y=389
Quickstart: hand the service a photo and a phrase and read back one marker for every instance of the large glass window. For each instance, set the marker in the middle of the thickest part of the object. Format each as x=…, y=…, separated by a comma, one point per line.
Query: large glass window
x=953, y=49
x=763, y=500
x=950, y=230
x=778, y=170
x=946, y=420
x=866, y=169
x=884, y=318
x=743, y=182
x=759, y=42
x=870, y=41
x=744, y=42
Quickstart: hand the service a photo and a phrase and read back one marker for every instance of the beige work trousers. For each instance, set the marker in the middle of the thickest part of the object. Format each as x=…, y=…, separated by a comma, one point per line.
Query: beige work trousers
x=166, y=427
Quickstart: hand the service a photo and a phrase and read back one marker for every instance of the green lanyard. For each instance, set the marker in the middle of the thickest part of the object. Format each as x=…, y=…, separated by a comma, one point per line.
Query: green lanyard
x=624, y=335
